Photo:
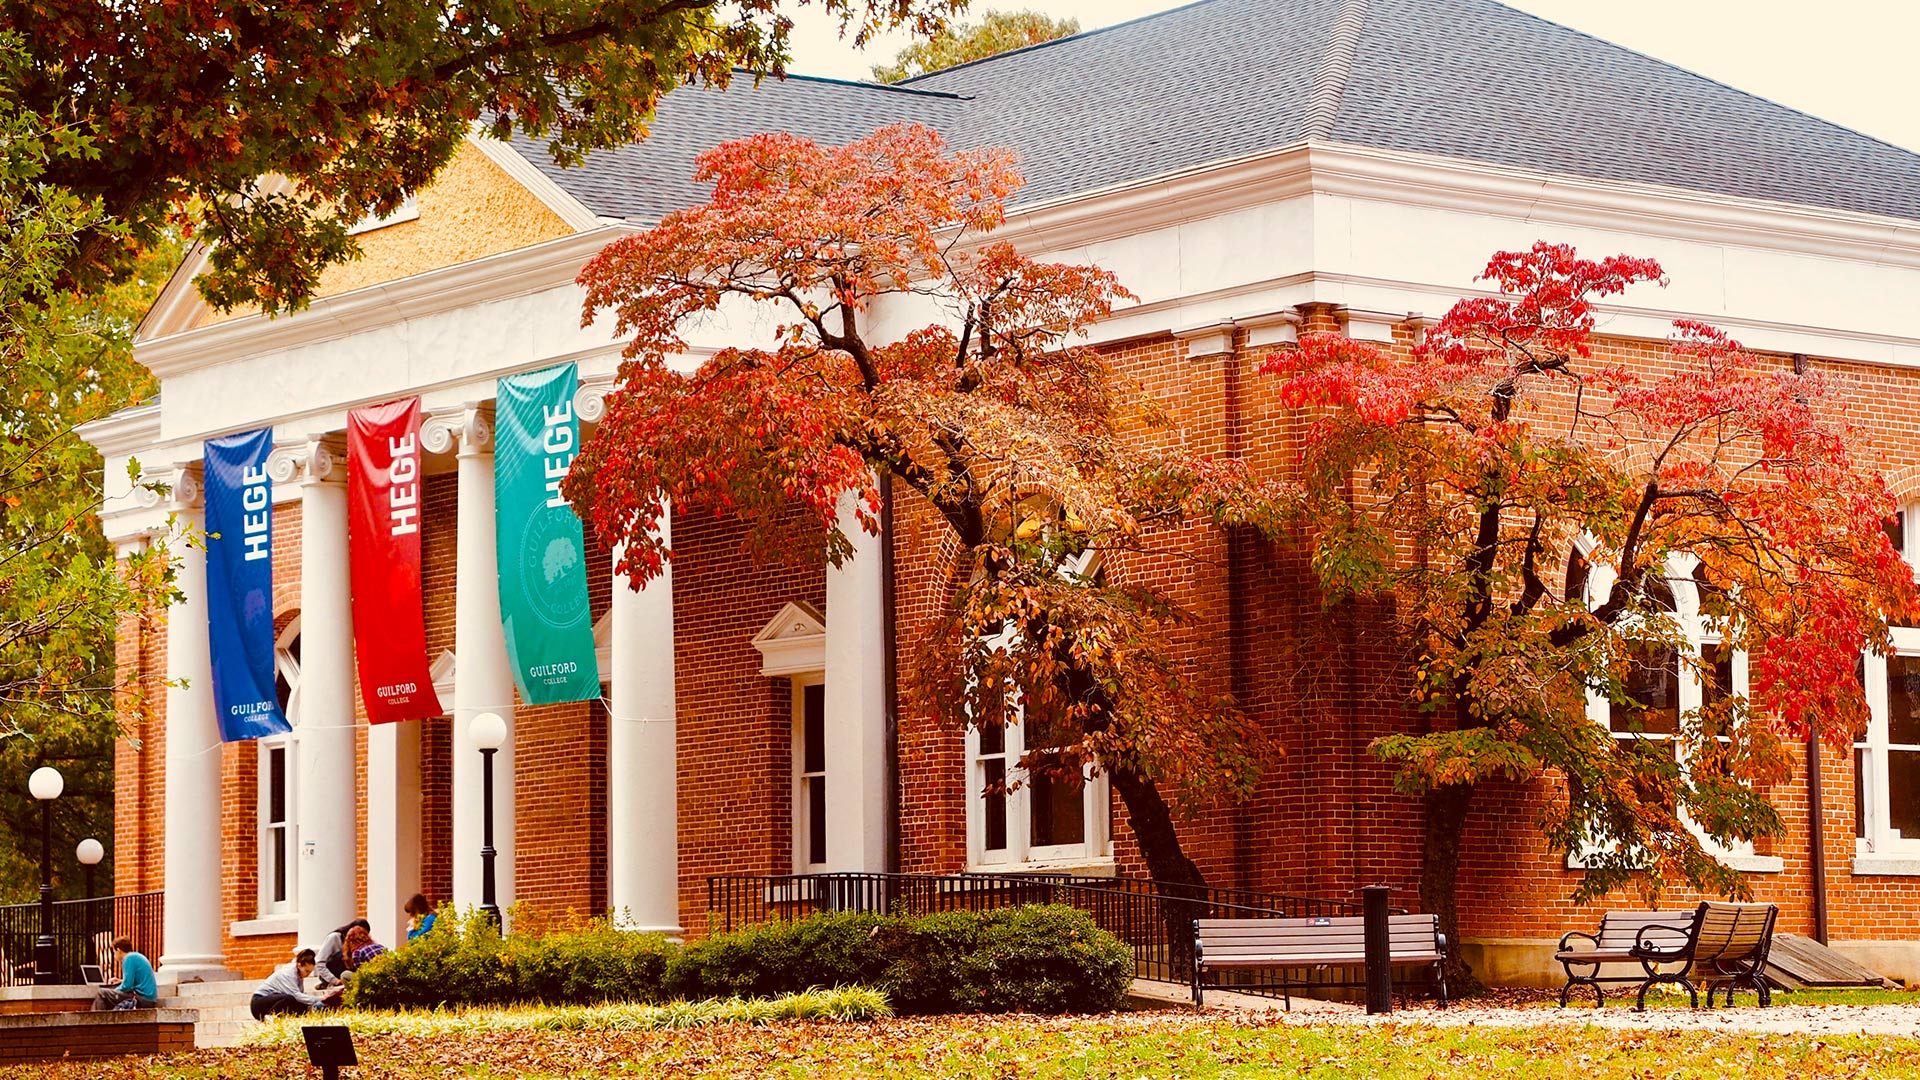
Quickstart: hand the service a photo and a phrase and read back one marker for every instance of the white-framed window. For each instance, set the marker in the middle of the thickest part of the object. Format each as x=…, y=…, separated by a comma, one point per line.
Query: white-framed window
x=278, y=832
x=1661, y=689
x=1044, y=821
x=1886, y=758
x=809, y=773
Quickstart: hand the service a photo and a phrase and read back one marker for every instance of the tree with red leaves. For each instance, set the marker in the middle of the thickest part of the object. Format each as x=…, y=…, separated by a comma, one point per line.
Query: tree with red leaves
x=1041, y=460
x=1502, y=454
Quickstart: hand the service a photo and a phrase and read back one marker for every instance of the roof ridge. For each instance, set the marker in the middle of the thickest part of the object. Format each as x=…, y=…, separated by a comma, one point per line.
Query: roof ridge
x=1336, y=66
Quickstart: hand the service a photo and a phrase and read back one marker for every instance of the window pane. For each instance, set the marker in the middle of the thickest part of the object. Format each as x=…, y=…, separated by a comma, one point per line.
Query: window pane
x=1653, y=684
x=816, y=819
x=1861, y=782
x=995, y=832
x=278, y=839
x=993, y=739
x=1903, y=792
x=1896, y=527
x=1718, y=662
x=1058, y=812
x=1578, y=570
x=1903, y=699
x=815, y=729
x=277, y=785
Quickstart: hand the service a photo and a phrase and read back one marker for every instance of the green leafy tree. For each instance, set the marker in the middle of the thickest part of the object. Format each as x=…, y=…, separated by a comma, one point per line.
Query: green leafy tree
x=355, y=103
x=960, y=42
x=65, y=359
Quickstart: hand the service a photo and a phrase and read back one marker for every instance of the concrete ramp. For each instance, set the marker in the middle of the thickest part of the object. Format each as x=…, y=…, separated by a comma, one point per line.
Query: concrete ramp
x=1798, y=963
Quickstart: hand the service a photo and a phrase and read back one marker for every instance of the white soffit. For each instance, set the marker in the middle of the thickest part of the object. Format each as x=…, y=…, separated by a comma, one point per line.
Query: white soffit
x=794, y=642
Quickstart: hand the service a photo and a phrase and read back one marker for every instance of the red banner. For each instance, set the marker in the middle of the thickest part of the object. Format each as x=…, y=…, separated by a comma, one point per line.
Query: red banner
x=389, y=620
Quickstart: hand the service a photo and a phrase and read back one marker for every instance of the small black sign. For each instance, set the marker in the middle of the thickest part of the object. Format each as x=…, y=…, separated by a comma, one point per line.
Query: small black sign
x=329, y=1045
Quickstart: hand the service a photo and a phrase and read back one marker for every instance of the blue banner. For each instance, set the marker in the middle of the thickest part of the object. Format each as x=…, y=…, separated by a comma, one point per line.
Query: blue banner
x=240, y=585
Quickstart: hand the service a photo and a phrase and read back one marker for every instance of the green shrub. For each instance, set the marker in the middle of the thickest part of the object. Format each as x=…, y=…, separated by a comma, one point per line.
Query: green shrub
x=1043, y=959
x=465, y=961
x=841, y=949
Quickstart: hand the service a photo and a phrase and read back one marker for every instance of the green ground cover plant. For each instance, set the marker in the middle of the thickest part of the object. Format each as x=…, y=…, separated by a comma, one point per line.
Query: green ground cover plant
x=1153, y=1045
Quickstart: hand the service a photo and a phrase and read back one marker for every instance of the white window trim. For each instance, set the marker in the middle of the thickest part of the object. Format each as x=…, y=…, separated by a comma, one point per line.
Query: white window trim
x=1878, y=847
x=1699, y=633
x=799, y=804
x=266, y=906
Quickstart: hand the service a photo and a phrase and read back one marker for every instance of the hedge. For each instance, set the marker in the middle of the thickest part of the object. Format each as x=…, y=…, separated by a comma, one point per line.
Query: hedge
x=1043, y=959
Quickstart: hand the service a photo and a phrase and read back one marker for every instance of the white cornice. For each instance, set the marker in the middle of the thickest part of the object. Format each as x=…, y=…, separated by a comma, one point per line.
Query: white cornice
x=1426, y=180
x=538, y=184
x=547, y=265
x=124, y=433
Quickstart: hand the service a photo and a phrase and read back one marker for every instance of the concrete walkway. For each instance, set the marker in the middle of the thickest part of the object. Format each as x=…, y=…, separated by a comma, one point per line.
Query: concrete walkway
x=1149, y=994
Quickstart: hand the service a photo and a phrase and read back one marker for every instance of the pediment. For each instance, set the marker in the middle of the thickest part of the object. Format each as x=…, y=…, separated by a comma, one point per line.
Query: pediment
x=794, y=641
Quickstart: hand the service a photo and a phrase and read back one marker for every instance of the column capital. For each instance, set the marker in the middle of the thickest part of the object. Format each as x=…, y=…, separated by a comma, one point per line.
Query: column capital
x=466, y=430
x=173, y=487
x=316, y=460
x=590, y=400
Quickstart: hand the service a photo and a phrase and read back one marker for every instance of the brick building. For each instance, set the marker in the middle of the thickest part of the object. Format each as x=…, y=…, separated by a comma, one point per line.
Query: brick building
x=1249, y=168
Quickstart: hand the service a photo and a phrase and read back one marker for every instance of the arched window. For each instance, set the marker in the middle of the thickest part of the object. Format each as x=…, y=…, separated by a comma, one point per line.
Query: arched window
x=1046, y=820
x=278, y=832
x=1886, y=757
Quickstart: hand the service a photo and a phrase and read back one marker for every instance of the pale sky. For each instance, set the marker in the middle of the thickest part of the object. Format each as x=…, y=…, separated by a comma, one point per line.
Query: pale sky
x=1853, y=62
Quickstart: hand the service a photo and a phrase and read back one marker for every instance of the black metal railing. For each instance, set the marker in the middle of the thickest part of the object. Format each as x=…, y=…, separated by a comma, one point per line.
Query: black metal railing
x=1154, y=919
x=83, y=930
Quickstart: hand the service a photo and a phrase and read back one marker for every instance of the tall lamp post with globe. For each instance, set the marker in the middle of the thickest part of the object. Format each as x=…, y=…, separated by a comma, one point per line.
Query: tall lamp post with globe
x=89, y=852
x=45, y=784
x=488, y=732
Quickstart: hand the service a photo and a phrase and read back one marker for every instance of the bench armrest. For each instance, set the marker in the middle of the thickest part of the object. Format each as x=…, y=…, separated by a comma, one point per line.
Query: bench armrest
x=1567, y=938
x=1440, y=943
x=1674, y=950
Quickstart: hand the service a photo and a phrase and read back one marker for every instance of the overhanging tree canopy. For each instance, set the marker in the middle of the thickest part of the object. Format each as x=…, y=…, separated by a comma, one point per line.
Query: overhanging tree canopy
x=1502, y=448
x=1032, y=450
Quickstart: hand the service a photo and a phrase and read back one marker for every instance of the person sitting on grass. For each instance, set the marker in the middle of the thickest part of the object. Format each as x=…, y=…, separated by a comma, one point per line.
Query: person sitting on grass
x=360, y=948
x=136, y=988
x=285, y=991
x=420, y=916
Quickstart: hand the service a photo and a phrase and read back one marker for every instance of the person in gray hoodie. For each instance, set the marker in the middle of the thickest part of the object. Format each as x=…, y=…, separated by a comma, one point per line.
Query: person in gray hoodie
x=285, y=991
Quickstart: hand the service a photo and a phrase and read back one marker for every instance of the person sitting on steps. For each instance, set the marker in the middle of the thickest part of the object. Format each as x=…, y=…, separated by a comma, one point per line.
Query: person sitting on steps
x=136, y=988
x=285, y=991
x=333, y=960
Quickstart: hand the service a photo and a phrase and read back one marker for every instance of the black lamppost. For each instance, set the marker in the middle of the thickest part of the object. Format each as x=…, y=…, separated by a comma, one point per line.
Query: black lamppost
x=488, y=732
x=89, y=852
x=45, y=785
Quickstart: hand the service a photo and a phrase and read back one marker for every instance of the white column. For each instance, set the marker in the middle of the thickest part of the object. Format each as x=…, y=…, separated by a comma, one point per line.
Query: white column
x=482, y=682
x=323, y=740
x=856, y=705
x=643, y=843
x=393, y=826
x=194, y=943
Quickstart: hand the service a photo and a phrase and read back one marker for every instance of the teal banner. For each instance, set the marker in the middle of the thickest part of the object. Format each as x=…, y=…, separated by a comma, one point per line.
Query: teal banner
x=541, y=546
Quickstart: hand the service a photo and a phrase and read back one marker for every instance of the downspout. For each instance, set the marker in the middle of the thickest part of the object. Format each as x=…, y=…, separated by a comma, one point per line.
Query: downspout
x=1816, y=810
x=890, y=672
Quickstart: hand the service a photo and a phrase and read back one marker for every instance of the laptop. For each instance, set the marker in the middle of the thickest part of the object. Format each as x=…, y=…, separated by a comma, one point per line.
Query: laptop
x=92, y=975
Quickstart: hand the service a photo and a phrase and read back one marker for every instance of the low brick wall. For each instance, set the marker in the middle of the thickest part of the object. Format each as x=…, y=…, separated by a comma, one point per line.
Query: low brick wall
x=53, y=1036
x=33, y=1000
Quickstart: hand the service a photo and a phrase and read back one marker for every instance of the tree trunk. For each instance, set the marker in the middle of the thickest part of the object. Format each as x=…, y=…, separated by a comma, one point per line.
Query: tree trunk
x=1446, y=813
x=1181, y=886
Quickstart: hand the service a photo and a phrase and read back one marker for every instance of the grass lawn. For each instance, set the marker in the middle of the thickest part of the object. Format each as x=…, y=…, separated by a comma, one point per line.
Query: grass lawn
x=1169, y=1045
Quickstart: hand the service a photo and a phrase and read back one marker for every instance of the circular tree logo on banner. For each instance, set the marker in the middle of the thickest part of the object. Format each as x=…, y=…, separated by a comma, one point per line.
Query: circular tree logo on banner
x=551, y=576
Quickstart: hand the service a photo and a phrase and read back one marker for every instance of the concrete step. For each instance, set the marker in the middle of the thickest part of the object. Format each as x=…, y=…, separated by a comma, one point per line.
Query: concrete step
x=205, y=991
x=210, y=1034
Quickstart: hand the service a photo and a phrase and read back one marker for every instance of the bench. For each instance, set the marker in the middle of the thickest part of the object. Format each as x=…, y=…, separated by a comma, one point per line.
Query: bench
x=1722, y=944
x=1613, y=943
x=1316, y=943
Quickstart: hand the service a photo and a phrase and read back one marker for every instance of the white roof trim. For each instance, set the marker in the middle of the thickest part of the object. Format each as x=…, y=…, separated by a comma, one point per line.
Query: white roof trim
x=794, y=642
x=538, y=184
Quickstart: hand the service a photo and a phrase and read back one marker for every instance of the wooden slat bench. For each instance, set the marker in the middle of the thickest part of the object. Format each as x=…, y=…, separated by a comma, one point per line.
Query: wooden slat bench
x=1723, y=945
x=1582, y=955
x=1315, y=943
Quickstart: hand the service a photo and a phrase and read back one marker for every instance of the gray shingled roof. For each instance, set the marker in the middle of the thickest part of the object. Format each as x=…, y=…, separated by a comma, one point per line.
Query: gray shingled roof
x=1221, y=79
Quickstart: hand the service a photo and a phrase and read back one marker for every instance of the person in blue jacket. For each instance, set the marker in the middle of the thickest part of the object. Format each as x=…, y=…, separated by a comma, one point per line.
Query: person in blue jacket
x=419, y=916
